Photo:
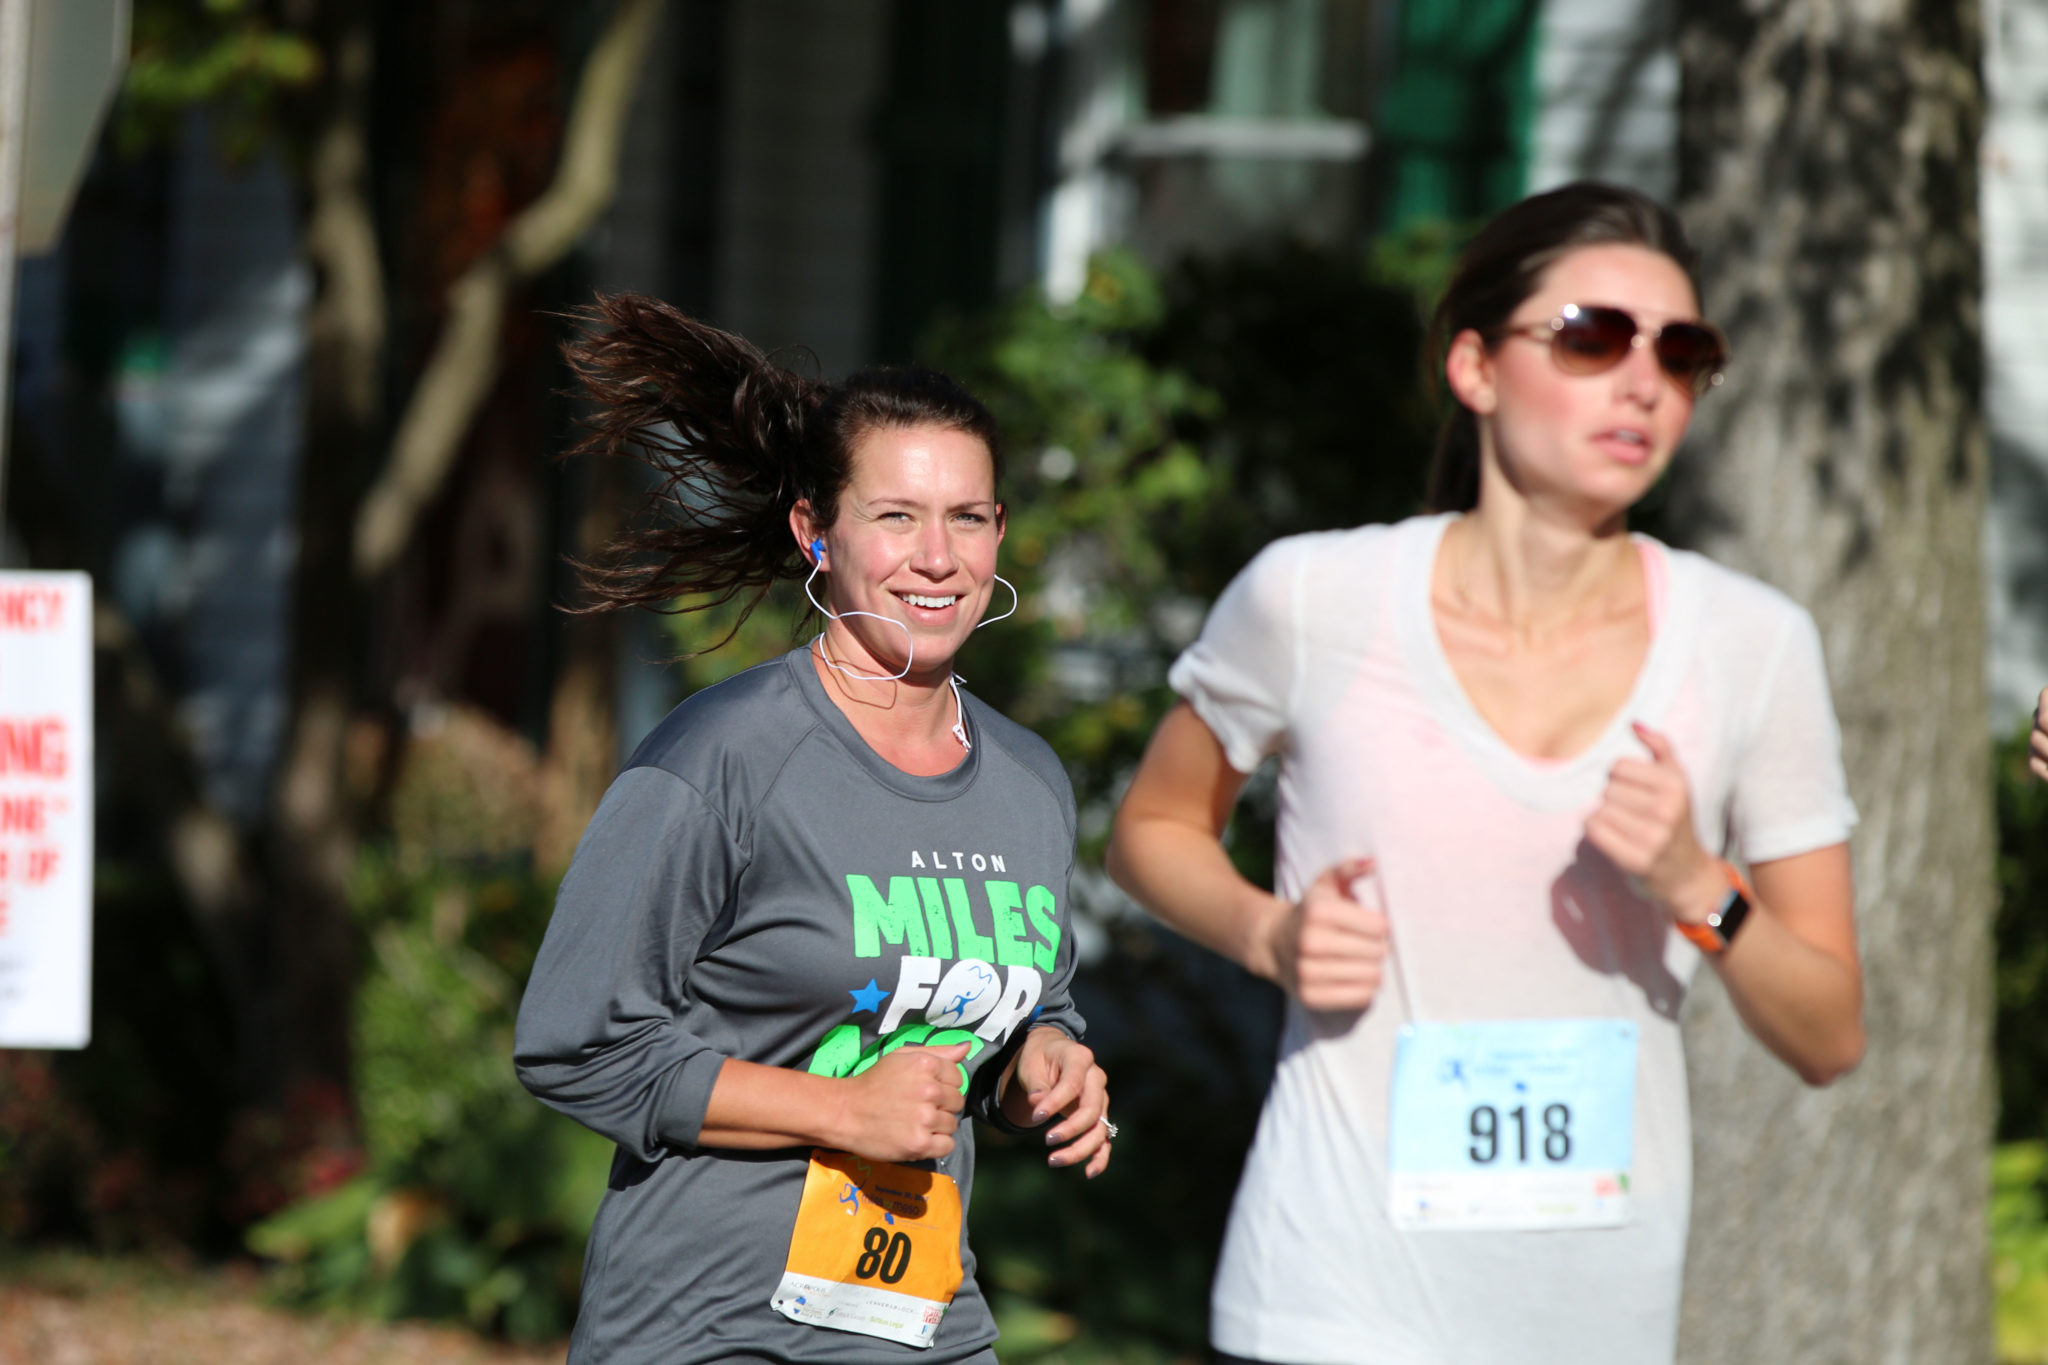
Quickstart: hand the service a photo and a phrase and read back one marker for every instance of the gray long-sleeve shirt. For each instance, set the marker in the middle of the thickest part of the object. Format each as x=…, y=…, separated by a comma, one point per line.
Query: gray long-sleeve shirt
x=759, y=883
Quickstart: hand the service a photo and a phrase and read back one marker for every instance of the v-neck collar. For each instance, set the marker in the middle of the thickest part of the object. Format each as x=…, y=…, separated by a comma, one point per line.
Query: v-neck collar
x=1548, y=784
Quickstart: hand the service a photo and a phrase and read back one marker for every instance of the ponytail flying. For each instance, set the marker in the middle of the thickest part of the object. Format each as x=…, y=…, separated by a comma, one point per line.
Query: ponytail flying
x=734, y=440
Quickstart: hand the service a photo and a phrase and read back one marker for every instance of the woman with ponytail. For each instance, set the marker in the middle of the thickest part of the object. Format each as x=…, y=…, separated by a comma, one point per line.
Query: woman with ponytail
x=1518, y=749
x=822, y=915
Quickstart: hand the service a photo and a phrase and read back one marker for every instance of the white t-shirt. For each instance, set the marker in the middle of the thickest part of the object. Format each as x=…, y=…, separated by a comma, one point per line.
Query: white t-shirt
x=1324, y=651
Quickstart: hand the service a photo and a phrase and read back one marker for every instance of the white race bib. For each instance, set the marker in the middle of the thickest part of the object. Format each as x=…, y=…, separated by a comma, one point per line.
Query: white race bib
x=1513, y=1123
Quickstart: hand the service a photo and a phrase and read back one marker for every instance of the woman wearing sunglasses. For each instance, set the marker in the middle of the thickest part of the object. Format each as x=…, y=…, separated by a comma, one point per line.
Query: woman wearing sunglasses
x=1522, y=753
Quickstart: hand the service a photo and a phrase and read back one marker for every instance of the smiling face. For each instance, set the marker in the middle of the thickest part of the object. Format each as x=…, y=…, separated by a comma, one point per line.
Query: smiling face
x=914, y=542
x=1592, y=443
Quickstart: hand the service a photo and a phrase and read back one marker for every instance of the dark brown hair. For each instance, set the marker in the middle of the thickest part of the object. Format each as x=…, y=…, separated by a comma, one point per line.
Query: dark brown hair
x=734, y=440
x=1503, y=266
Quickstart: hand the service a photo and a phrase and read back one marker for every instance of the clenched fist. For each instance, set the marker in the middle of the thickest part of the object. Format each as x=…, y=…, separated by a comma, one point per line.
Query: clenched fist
x=1644, y=825
x=1329, y=949
x=905, y=1107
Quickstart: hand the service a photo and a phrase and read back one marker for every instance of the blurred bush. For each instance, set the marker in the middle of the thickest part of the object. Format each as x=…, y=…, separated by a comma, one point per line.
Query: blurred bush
x=2022, y=941
x=473, y=1201
x=2019, y=1252
x=125, y=1144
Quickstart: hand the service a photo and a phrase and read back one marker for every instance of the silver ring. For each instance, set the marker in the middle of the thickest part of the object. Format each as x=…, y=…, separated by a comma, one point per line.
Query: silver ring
x=1104, y=1121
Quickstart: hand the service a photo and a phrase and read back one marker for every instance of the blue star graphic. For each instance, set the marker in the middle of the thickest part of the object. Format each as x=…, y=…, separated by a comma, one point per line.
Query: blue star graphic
x=868, y=1001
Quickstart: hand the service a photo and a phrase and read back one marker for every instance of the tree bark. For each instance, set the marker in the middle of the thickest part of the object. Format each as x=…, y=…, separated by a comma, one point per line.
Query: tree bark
x=583, y=729
x=464, y=363
x=1828, y=172
x=313, y=829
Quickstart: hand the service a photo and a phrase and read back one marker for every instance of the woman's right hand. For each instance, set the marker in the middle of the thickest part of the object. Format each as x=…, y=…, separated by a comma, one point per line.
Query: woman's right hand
x=905, y=1107
x=2037, y=743
x=1329, y=949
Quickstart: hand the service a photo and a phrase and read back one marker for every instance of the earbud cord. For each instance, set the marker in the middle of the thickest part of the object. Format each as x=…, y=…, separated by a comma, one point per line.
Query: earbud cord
x=910, y=642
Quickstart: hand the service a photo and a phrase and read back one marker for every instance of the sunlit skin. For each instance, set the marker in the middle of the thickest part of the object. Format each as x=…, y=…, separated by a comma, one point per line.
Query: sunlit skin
x=915, y=541
x=1538, y=594
x=1578, y=450
x=1540, y=605
x=2037, y=743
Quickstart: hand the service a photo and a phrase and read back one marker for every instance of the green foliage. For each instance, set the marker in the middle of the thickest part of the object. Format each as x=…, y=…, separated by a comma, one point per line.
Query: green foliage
x=1421, y=256
x=227, y=56
x=2022, y=939
x=2019, y=1252
x=2019, y=1193
x=475, y=1201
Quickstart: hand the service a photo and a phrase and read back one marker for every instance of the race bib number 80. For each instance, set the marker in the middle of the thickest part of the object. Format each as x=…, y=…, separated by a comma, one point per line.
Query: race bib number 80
x=1513, y=1123
x=875, y=1250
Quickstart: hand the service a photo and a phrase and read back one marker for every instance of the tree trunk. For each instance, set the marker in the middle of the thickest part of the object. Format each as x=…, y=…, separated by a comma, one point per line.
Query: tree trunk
x=313, y=829
x=1828, y=172
x=583, y=728
x=458, y=375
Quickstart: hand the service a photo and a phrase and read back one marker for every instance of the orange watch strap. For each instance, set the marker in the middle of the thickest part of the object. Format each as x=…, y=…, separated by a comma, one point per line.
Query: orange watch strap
x=1703, y=936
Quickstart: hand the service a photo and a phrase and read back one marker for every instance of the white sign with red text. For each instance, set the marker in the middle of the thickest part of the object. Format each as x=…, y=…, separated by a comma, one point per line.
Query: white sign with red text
x=45, y=809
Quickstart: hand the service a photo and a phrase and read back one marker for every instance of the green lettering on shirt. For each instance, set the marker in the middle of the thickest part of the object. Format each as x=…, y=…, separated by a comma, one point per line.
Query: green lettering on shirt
x=1039, y=904
x=972, y=943
x=1004, y=902
x=897, y=919
x=840, y=1054
x=935, y=917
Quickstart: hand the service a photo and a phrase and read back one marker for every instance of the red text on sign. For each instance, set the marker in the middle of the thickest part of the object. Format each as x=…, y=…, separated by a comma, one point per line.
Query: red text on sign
x=32, y=748
x=31, y=609
x=31, y=866
x=24, y=814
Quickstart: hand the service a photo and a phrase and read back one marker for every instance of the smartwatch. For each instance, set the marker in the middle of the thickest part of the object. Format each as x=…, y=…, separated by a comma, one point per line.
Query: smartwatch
x=1718, y=931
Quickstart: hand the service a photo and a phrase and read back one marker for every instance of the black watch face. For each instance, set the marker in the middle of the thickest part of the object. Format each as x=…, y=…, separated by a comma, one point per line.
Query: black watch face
x=1729, y=917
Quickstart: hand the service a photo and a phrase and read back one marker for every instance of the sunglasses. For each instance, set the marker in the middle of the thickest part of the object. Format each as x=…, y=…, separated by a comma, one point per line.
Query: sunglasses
x=1592, y=339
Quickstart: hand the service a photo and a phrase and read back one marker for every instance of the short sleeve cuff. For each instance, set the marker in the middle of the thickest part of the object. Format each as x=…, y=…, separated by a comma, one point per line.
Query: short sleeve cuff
x=1235, y=720
x=1789, y=841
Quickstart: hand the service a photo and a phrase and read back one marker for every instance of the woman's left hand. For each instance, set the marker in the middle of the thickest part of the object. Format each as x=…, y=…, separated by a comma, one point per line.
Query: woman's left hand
x=1056, y=1075
x=1644, y=825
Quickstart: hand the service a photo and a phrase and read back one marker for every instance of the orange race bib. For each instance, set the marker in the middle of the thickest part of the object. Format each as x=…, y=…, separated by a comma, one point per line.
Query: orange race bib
x=876, y=1249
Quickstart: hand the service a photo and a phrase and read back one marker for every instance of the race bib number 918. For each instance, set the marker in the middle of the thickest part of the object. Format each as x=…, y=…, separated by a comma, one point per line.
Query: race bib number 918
x=1513, y=1123
x=875, y=1250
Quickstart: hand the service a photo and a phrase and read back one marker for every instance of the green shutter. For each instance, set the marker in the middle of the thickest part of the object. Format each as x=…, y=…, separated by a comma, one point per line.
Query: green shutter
x=1453, y=126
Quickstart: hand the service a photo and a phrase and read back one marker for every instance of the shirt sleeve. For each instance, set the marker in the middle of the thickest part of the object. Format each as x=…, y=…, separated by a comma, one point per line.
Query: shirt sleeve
x=604, y=1032
x=1790, y=795
x=1239, y=675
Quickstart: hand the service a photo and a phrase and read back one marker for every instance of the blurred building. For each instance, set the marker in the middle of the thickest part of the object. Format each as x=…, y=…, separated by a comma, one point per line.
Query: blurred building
x=2014, y=202
x=954, y=151
x=832, y=175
